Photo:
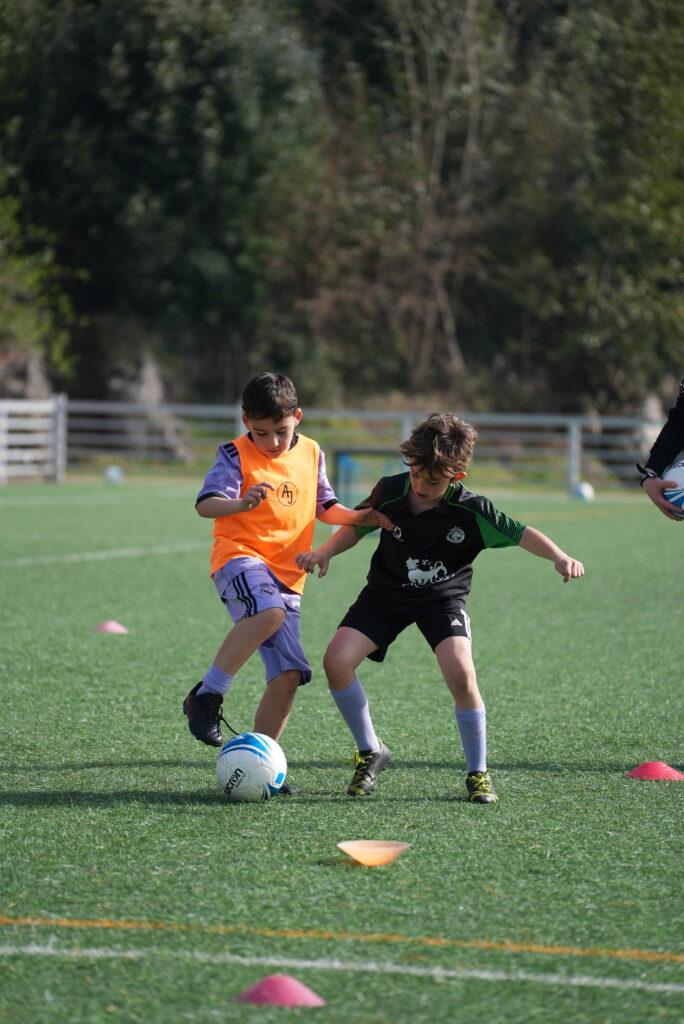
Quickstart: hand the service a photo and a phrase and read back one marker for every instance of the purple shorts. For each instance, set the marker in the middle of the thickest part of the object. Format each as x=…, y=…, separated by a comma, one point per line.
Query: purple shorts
x=246, y=587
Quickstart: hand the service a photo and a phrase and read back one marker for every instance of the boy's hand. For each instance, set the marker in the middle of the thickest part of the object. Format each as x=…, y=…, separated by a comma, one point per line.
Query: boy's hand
x=255, y=495
x=371, y=517
x=308, y=561
x=569, y=568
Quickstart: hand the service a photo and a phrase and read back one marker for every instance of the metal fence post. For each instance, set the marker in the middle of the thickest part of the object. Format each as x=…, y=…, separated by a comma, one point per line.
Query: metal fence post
x=58, y=438
x=574, y=466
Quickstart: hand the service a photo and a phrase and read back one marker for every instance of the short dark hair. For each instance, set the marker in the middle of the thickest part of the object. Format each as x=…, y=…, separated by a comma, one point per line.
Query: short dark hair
x=269, y=396
x=442, y=443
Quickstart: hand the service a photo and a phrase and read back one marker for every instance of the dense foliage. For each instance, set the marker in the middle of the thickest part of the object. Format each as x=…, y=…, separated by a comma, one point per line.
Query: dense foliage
x=35, y=311
x=477, y=199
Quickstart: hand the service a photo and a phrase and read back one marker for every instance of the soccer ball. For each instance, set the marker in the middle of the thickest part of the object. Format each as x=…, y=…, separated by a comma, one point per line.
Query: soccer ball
x=584, y=491
x=675, y=495
x=251, y=767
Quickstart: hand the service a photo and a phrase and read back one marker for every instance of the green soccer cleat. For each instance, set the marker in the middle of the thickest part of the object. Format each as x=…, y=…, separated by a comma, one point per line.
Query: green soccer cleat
x=369, y=764
x=480, y=788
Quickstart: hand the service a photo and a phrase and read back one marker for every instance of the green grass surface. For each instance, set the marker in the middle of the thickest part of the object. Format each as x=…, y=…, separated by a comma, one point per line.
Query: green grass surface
x=130, y=890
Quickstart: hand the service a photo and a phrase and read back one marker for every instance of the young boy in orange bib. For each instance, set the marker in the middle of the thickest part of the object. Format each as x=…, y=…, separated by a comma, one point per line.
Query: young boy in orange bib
x=264, y=492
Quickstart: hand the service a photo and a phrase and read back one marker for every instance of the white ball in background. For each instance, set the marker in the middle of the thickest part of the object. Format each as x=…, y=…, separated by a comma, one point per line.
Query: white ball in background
x=114, y=475
x=584, y=491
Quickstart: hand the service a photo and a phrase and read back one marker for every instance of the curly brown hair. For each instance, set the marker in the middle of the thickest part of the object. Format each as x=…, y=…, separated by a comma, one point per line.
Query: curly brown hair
x=441, y=444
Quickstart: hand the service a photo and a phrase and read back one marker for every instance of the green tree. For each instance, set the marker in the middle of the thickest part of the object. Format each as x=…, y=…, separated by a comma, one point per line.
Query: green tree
x=581, y=290
x=158, y=142
x=35, y=313
x=506, y=197
x=477, y=198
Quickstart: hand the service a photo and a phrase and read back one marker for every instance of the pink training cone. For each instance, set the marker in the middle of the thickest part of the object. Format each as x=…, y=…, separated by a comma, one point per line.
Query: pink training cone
x=373, y=852
x=280, y=990
x=654, y=770
x=110, y=626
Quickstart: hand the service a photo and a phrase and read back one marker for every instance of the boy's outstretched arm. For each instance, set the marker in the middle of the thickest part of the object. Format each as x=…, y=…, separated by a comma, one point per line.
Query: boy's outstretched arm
x=340, y=515
x=537, y=543
x=342, y=540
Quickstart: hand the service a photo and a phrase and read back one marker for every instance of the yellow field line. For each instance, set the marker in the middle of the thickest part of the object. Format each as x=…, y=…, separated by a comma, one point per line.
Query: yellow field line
x=317, y=933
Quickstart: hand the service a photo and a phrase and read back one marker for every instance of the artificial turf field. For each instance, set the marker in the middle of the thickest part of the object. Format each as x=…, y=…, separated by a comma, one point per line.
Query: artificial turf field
x=131, y=890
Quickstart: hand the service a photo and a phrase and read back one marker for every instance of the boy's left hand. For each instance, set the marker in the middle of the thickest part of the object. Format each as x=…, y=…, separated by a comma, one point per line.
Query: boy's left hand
x=569, y=568
x=308, y=560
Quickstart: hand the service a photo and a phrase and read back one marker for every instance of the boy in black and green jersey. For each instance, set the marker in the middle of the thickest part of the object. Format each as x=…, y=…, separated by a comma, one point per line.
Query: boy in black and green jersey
x=421, y=572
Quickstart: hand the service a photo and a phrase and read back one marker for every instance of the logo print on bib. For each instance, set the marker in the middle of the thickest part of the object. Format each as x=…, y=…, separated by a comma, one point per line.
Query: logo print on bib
x=287, y=493
x=455, y=535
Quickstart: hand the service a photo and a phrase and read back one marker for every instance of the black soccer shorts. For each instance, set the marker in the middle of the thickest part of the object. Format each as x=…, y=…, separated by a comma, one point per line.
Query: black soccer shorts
x=382, y=619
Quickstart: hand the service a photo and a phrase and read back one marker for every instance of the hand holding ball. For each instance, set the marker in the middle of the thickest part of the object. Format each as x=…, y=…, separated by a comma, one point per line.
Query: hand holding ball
x=675, y=495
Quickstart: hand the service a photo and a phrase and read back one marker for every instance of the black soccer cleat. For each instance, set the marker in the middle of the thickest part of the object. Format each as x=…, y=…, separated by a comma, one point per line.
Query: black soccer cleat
x=204, y=716
x=369, y=764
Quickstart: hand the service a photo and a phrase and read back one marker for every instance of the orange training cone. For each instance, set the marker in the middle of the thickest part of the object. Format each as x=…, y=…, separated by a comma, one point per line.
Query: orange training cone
x=654, y=770
x=110, y=626
x=280, y=990
x=373, y=852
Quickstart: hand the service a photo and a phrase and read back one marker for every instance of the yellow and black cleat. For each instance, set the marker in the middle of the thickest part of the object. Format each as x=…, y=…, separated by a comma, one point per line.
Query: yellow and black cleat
x=480, y=788
x=369, y=764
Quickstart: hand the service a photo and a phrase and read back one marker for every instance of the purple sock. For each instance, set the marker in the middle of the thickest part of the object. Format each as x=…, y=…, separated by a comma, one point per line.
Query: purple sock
x=215, y=681
x=472, y=725
x=353, y=705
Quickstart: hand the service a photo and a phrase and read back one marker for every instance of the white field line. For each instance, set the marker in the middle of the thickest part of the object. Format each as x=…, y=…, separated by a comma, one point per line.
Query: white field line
x=57, y=499
x=434, y=973
x=103, y=556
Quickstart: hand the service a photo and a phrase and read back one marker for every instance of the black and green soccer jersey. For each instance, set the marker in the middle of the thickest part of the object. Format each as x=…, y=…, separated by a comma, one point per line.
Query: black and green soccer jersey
x=430, y=554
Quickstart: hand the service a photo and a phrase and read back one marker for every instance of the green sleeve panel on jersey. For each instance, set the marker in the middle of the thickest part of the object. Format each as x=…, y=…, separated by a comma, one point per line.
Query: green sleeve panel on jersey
x=503, y=532
x=496, y=529
x=362, y=531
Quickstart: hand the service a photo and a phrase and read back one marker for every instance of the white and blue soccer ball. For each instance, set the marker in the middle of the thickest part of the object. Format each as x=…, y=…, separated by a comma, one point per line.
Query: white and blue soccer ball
x=251, y=767
x=675, y=495
x=584, y=491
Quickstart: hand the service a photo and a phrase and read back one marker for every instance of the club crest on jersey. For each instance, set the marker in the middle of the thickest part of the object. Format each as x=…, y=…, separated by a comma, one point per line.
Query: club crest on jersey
x=455, y=535
x=287, y=493
x=396, y=533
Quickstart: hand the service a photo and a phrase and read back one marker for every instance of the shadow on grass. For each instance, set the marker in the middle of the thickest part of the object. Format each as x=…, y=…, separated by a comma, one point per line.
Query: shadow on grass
x=68, y=798
x=83, y=765
x=552, y=768
x=147, y=798
x=453, y=767
x=339, y=862
x=558, y=768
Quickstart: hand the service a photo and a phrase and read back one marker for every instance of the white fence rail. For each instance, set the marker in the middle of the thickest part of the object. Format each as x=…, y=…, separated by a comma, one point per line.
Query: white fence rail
x=43, y=438
x=33, y=439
